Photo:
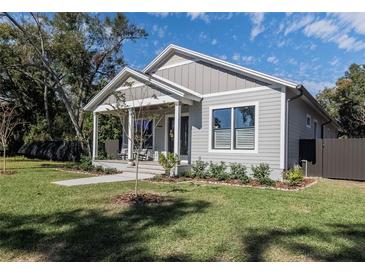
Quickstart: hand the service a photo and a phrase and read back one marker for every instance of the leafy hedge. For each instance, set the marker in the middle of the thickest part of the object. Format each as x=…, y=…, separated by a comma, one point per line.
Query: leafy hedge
x=52, y=150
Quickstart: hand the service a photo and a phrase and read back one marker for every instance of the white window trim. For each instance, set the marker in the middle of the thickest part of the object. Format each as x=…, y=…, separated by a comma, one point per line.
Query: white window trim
x=315, y=122
x=310, y=118
x=232, y=150
x=153, y=130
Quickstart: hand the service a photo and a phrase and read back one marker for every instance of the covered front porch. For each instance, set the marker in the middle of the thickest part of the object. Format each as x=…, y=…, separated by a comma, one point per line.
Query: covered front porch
x=169, y=119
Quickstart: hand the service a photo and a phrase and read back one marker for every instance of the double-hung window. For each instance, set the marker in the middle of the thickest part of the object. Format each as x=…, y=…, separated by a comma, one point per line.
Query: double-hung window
x=222, y=128
x=234, y=128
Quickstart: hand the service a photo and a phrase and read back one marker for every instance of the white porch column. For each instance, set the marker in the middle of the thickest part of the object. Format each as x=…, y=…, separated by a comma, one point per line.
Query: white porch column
x=95, y=136
x=130, y=134
x=177, y=128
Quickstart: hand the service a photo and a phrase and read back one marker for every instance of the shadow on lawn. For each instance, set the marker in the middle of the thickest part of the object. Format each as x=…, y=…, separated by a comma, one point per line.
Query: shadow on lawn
x=94, y=235
x=341, y=242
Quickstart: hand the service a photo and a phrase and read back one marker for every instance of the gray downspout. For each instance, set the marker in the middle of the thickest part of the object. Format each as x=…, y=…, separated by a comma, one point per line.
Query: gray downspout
x=322, y=127
x=300, y=88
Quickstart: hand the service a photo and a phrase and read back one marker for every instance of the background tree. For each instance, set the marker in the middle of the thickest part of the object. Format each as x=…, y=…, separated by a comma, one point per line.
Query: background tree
x=9, y=121
x=53, y=64
x=346, y=102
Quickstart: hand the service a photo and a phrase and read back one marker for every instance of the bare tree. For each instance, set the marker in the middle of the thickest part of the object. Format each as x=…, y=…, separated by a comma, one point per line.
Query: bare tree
x=9, y=121
x=141, y=108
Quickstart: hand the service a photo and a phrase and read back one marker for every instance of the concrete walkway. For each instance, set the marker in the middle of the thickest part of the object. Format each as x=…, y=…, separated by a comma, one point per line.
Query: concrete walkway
x=122, y=177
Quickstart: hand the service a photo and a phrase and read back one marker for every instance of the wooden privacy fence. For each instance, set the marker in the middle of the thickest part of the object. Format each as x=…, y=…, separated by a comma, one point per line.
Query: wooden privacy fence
x=334, y=158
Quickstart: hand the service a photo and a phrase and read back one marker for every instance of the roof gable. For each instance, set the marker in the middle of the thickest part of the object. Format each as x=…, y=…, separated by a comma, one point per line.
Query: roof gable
x=167, y=53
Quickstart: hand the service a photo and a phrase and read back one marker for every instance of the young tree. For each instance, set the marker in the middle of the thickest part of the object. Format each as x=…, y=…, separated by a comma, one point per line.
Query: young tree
x=9, y=121
x=137, y=104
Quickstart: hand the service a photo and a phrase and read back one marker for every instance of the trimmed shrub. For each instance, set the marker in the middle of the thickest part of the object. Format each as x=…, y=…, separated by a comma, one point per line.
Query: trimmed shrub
x=168, y=162
x=293, y=176
x=218, y=171
x=239, y=172
x=262, y=173
x=198, y=169
x=110, y=170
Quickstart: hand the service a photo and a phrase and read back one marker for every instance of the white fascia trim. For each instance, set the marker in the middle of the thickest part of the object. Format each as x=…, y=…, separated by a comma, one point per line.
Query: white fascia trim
x=139, y=103
x=232, y=150
x=134, y=86
x=140, y=77
x=186, y=62
x=230, y=92
x=283, y=128
x=216, y=61
x=104, y=90
x=189, y=91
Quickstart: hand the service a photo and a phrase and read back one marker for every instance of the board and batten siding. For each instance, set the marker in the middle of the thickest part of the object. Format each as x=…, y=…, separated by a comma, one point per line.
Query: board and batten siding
x=207, y=79
x=269, y=121
x=298, y=111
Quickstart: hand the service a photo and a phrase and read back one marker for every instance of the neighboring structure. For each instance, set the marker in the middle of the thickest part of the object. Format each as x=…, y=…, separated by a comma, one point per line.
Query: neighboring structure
x=222, y=111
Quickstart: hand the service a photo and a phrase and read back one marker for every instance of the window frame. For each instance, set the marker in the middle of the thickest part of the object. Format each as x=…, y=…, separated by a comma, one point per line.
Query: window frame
x=232, y=107
x=310, y=119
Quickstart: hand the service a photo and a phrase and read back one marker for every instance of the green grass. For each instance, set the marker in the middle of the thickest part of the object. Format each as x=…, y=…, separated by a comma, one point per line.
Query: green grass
x=40, y=221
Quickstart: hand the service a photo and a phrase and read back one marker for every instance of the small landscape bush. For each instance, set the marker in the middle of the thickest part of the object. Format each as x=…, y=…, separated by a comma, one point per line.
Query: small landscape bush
x=239, y=172
x=218, y=171
x=293, y=176
x=168, y=162
x=198, y=169
x=262, y=173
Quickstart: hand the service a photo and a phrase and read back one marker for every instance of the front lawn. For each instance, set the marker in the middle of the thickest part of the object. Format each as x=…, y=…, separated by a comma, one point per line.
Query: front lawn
x=40, y=221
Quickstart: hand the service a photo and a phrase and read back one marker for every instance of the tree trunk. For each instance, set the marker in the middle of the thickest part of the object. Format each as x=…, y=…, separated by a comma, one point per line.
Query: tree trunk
x=4, y=164
x=46, y=109
x=137, y=170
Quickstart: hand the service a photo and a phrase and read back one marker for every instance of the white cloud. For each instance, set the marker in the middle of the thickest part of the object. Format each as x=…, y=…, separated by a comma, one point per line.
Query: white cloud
x=314, y=87
x=234, y=36
x=328, y=31
x=292, y=61
x=272, y=59
x=248, y=59
x=199, y=15
x=203, y=36
x=223, y=57
x=296, y=24
x=322, y=29
x=160, y=14
x=257, y=27
x=236, y=56
x=334, y=61
x=214, y=42
x=354, y=20
x=348, y=43
x=160, y=31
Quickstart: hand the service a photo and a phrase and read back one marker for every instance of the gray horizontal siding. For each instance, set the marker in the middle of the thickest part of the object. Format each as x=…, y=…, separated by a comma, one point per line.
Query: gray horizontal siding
x=268, y=129
x=207, y=79
x=298, y=110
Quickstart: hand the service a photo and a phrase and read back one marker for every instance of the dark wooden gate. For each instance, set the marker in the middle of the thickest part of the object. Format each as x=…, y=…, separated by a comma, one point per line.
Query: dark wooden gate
x=334, y=158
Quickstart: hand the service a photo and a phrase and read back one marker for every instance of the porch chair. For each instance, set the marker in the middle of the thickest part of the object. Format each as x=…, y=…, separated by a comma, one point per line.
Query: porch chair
x=123, y=155
x=143, y=155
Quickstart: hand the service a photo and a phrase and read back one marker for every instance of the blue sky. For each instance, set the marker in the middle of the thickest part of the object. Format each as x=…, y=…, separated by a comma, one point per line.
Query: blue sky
x=310, y=48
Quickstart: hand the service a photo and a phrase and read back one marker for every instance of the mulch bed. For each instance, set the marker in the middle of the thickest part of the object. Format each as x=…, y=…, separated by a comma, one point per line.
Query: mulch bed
x=307, y=182
x=141, y=199
x=7, y=172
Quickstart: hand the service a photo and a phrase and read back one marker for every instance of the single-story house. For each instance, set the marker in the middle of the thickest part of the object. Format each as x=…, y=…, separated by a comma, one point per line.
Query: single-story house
x=221, y=111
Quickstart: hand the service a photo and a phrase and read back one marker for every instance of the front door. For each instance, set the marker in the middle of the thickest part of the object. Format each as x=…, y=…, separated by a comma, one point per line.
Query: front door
x=184, y=135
